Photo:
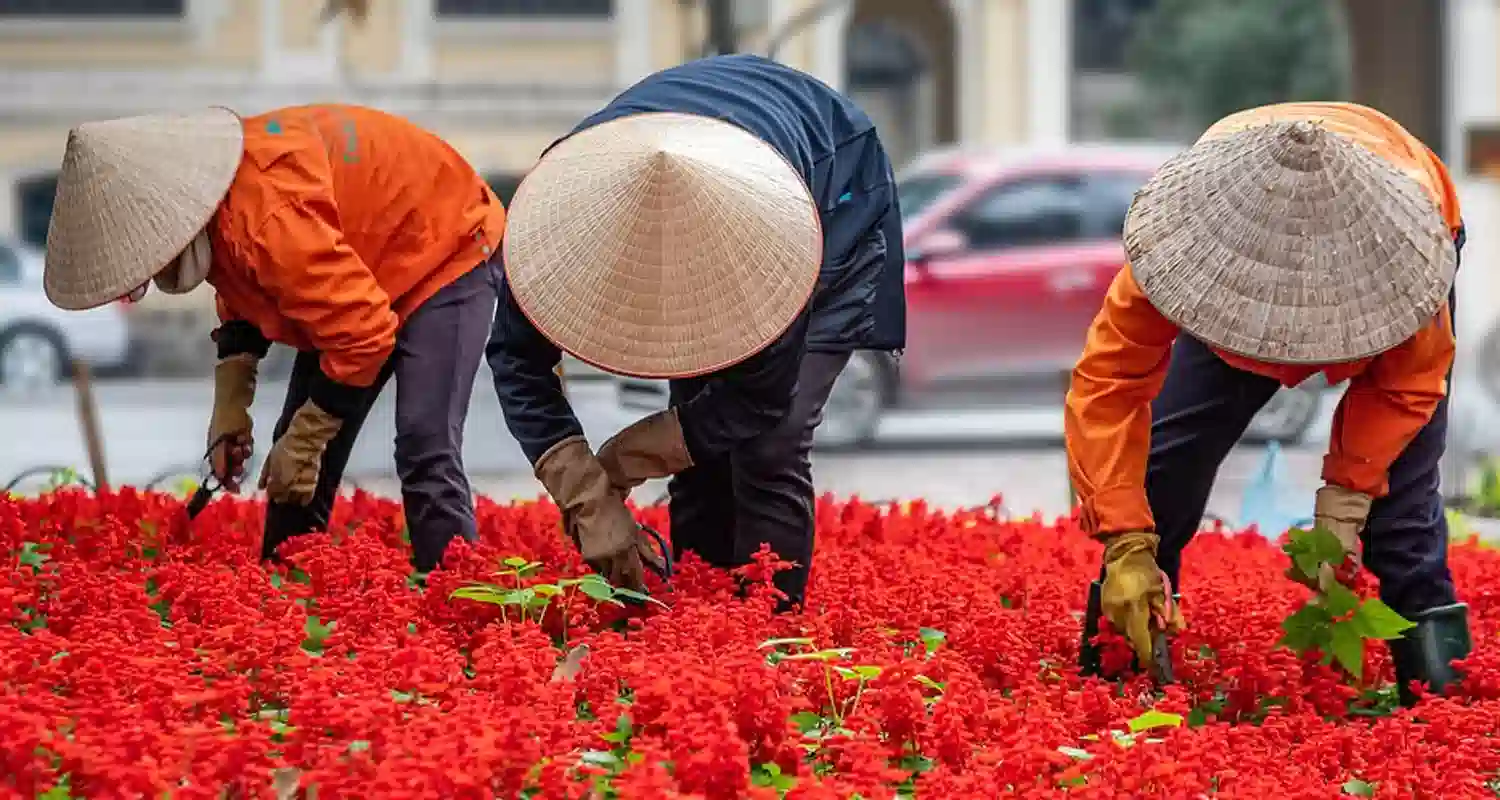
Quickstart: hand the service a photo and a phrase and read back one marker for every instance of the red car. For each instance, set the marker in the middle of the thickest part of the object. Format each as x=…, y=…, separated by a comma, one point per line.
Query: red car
x=1009, y=254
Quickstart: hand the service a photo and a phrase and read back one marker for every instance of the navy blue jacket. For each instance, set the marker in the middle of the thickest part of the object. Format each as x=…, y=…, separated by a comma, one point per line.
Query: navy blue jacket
x=859, y=302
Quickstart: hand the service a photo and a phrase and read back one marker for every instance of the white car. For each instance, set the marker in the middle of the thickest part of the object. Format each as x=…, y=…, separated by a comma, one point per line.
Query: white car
x=38, y=341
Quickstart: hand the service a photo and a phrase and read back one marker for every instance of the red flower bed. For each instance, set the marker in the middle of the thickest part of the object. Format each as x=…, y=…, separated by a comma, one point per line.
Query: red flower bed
x=138, y=659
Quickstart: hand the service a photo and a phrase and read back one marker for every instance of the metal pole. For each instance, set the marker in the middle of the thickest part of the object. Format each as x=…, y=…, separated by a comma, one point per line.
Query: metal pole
x=722, y=38
x=88, y=420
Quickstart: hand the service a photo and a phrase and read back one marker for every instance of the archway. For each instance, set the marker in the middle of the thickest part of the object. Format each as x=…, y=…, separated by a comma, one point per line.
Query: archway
x=900, y=65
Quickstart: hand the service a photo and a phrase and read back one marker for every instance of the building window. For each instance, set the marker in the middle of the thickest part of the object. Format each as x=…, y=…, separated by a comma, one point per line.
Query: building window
x=573, y=9
x=34, y=198
x=92, y=8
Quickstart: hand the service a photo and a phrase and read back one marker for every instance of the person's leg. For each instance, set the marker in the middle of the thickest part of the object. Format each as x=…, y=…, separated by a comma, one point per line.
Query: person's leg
x=1203, y=409
x=285, y=520
x=1406, y=547
x=701, y=500
x=437, y=357
x=774, y=498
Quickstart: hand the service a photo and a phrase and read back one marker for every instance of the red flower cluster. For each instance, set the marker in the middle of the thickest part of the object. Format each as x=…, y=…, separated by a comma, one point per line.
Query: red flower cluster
x=142, y=657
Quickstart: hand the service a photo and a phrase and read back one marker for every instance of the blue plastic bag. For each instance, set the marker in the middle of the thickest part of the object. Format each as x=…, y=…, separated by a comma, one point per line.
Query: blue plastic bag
x=1270, y=503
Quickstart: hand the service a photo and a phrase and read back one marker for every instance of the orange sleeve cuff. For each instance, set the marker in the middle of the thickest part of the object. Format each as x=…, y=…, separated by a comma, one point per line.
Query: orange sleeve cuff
x=1386, y=406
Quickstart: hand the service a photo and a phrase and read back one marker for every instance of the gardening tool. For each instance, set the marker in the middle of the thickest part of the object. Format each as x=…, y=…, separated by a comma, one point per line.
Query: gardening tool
x=209, y=484
x=88, y=419
x=1160, y=668
x=664, y=571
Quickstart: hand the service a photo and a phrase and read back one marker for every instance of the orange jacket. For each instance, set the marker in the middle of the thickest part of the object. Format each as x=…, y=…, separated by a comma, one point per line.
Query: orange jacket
x=340, y=222
x=1107, y=416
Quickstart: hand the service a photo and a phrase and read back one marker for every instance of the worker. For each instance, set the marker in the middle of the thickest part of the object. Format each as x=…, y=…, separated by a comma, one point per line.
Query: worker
x=356, y=237
x=730, y=225
x=1291, y=240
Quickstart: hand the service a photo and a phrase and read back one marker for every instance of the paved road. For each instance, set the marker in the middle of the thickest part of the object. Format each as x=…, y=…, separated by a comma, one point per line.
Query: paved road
x=951, y=459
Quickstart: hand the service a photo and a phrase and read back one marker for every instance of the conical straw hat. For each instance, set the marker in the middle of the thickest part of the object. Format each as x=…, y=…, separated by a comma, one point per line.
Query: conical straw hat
x=1288, y=244
x=132, y=194
x=662, y=245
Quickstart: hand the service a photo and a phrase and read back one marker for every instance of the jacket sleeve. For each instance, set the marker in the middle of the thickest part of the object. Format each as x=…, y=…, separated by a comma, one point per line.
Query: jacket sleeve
x=317, y=280
x=1386, y=405
x=235, y=336
x=1107, y=415
x=747, y=399
x=524, y=363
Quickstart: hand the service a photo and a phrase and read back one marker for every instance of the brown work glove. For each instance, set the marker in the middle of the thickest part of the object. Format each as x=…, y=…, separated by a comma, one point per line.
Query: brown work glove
x=290, y=474
x=1135, y=597
x=594, y=514
x=1342, y=512
x=649, y=448
x=229, y=428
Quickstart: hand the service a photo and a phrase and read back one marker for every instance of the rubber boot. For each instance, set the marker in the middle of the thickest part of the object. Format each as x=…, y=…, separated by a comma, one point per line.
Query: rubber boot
x=1088, y=652
x=1425, y=653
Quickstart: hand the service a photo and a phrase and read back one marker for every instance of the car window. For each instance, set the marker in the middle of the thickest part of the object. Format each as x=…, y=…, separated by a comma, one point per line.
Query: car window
x=10, y=266
x=1025, y=213
x=1107, y=199
x=918, y=192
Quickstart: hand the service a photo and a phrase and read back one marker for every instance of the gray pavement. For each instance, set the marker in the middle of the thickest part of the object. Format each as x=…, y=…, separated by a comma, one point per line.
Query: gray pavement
x=951, y=459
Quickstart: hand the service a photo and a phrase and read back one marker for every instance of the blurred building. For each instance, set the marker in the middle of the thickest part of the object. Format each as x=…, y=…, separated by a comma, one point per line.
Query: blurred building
x=502, y=78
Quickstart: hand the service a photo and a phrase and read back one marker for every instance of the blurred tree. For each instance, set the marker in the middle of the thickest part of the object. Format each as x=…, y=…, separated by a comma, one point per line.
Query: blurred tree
x=1210, y=58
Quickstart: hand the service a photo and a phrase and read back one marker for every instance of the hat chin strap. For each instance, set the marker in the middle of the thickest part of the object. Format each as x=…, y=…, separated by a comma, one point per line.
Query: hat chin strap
x=189, y=269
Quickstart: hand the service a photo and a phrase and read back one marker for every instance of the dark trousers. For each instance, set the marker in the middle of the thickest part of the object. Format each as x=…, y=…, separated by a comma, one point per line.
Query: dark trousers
x=761, y=492
x=1203, y=409
x=437, y=355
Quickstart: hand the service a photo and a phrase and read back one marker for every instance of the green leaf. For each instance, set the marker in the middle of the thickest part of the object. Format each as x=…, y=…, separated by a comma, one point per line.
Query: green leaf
x=1311, y=548
x=639, y=597
x=798, y=640
x=514, y=562
x=1155, y=719
x=598, y=590
x=1348, y=648
x=929, y=683
x=1376, y=620
x=932, y=639
x=1306, y=629
x=806, y=721
x=1339, y=600
x=484, y=593
x=599, y=758
x=827, y=654
x=1359, y=788
x=866, y=673
x=1074, y=752
x=546, y=590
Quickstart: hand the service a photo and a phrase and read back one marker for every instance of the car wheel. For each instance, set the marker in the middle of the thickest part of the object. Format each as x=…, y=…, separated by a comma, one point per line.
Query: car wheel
x=1288, y=416
x=31, y=359
x=851, y=417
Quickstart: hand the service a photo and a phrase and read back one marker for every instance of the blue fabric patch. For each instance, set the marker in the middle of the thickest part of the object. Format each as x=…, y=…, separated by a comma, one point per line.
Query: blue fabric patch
x=846, y=197
x=273, y=126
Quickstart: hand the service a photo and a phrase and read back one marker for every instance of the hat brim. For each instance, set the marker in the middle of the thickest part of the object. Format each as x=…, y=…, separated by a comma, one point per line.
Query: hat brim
x=1336, y=258
x=131, y=195
x=662, y=245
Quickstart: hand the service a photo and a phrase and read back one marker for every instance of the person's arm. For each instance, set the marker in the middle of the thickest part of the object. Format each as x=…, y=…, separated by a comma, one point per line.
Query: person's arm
x=318, y=281
x=1107, y=416
x=524, y=364
x=747, y=399
x=1386, y=405
x=235, y=336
